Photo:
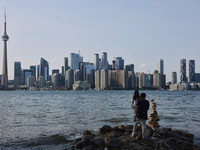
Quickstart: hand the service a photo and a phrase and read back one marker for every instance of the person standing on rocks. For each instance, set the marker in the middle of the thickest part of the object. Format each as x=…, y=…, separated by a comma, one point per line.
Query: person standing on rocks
x=141, y=115
x=136, y=98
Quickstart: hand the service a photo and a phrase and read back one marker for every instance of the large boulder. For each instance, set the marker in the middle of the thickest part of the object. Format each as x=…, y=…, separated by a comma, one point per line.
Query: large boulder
x=114, y=143
x=98, y=141
x=88, y=138
x=105, y=129
x=182, y=145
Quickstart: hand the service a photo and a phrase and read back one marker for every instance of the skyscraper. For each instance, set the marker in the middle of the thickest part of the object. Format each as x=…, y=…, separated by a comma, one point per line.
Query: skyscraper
x=104, y=60
x=17, y=73
x=44, y=69
x=65, y=64
x=96, y=61
x=34, y=70
x=5, y=37
x=119, y=63
x=74, y=61
x=183, y=77
x=160, y=66
x=191, y=70
x=174, y=78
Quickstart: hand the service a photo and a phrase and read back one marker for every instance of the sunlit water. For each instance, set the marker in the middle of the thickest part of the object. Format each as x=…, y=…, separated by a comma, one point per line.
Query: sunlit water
x=50, y=119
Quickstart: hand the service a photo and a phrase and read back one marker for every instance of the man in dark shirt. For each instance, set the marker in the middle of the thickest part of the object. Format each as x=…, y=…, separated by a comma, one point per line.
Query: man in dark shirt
x=141, y=115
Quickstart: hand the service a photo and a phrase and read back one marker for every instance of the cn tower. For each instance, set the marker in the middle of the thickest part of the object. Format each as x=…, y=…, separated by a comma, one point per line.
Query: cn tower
x=5, y=37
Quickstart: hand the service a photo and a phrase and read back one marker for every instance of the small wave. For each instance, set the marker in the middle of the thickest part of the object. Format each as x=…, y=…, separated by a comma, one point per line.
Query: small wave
x=116, y=120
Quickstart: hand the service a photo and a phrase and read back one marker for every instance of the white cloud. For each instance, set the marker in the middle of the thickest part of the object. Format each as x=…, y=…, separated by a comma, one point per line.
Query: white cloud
x=143, y=66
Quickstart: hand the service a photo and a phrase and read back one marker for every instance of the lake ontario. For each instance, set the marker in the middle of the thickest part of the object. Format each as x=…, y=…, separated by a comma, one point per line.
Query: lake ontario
x=50, y=119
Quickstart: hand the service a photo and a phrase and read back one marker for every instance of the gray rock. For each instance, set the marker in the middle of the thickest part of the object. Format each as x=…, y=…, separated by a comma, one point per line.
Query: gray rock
x=80, y=144
x=98, y=141
x=157, y=135
x=88, y=138
x=86, y=132
x=182, y=145
x=161, y=144
x=115, y=142
x=105, y=129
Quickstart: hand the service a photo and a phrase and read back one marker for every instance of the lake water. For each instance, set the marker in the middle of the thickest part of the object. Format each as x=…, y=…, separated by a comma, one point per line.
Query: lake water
x=48, y=119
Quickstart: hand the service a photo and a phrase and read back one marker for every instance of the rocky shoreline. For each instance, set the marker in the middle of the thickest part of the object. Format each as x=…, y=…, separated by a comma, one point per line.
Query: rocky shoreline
x=119, y=138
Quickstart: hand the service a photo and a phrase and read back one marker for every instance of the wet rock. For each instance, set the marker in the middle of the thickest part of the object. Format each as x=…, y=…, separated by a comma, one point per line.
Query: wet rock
x=86, y=132
x=105, y=129
x=116, y=128
x=88, y=138
x=164, y=131
x=157, y=135
x=189, y=135
x=98, y=141
x=161, y=144
x=114, y=143
x=182, y=145
x=80, y=144
x=149, y=142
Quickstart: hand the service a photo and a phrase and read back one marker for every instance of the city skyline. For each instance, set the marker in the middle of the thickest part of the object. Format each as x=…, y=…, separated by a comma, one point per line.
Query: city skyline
x=121, y=30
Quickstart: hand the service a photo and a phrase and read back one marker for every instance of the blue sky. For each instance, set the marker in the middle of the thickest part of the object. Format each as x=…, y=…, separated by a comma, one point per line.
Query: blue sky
x=141, y=32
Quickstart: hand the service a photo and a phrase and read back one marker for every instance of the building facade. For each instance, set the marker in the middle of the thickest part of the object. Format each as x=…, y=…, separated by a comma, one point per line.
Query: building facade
x=160, y=66
x=44, y=69
x=104, y=60
x=183, y=77
x=119, y=63
x=34, y=70
x=74, y=61
x=191, y=70
x=104, y=79
x=156, y=79
x=69, y=78
x=96, y=62
x=55, y=80
x=17, y=73
x=30, y=81
x=174, y=78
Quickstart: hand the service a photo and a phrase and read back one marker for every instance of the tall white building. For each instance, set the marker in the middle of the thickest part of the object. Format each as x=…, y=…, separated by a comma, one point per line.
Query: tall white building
x=104, y=79
x=160, y=66
x=98, y=79
x=104, y=60
x=74, y=61
x=96, y=61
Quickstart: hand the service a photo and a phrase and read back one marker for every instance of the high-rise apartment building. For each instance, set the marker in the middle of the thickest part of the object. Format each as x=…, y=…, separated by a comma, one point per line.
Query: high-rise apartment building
x=38, y=71
x=118, y=79
x=191, y=70
x=26, y=74
x=30, y=81
x=197, y=77
x=34, y=70
x=104, y=60
x=65, y=64
x=92, y=78
x=156, y=79
x=183, y=77
x=98, y=79
x=44, y=69
x=74, y=61
x=131, y=79
x=41, y=82
x=55, y=80
x=160, y=66
x=77, y=75
x=69, y=78
x=96, y=61
x=129, y=67
x=5, y=37
x=119, y=63
x=104, y=79
x=174, y=78
x=17, y=73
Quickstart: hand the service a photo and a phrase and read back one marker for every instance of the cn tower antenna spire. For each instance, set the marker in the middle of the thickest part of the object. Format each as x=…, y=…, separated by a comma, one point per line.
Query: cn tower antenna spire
x=5, y=13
